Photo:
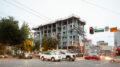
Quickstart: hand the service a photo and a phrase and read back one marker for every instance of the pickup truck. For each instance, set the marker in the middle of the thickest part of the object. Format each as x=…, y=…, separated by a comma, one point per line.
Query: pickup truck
x=50, y=56
x=67, y=55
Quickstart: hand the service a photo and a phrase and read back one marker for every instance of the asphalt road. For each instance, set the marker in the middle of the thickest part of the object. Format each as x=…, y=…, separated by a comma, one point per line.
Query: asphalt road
x=38, y=63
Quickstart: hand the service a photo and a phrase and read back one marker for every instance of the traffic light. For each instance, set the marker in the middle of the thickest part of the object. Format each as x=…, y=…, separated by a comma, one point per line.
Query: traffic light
x=117, y=49
x=91, y=30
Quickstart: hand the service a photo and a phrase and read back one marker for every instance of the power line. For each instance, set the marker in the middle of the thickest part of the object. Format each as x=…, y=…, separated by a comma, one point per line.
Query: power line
x=115, y=12
x=24, y=10
x=30, y=8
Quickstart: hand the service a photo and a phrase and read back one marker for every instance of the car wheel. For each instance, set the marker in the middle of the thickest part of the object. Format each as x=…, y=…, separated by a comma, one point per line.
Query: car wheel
x=73, y=59
x=59, y=60
x=53, y=59
x=97, y=58
x=87, y=58
x=68, y=58
x=42, y=58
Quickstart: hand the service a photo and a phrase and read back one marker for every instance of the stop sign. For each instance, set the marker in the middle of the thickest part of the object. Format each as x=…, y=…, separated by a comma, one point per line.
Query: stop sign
x=116, y=43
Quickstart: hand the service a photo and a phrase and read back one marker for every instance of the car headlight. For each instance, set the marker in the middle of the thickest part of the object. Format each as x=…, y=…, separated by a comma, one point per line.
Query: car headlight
x=108, y=58
x=26, y=55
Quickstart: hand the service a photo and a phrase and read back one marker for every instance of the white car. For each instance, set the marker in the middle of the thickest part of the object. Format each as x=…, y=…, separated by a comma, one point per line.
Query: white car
x=67, y=55
x=50, y=56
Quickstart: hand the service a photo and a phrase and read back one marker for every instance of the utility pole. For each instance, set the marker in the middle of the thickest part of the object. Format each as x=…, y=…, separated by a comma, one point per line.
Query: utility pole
x=40, y=40
x=80, y=32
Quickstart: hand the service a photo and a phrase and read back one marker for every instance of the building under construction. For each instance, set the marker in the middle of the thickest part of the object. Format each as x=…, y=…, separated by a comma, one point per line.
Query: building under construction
x=67, y=30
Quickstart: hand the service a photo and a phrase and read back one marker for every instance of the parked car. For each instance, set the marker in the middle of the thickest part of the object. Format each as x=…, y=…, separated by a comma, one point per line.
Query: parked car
x=2, y=56
x=67, y=55
x=26, y=56
x=50, y=56
x=92, y=57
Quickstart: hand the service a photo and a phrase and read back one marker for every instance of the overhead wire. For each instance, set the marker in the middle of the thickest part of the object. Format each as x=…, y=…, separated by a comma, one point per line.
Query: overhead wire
x=25, y=10
x=30, y=9
x=93, y=4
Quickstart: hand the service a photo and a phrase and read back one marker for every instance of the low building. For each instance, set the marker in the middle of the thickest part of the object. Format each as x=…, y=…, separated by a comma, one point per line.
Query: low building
x=87, y=46
x=105, y=49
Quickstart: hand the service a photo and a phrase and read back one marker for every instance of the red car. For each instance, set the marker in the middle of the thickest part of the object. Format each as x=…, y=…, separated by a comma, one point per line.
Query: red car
x=92, y=57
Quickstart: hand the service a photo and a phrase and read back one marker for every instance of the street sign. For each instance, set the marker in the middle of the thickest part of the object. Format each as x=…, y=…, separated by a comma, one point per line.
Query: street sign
x=106, y=28
x=99, y=30
x=114, y=29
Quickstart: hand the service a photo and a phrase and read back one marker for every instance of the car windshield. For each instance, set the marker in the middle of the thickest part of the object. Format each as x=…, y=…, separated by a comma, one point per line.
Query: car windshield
x=69, y=52
x=26, y=53
x=53, y=53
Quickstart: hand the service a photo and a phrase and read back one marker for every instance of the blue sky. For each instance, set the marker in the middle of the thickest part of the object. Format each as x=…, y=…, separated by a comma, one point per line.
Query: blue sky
x=96, y=13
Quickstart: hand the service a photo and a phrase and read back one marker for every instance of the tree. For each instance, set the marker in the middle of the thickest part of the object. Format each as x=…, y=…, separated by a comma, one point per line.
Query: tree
x=10, y=33
x=49, y=43
x=37, y=45
x=2, y=48
x=27, y=45
x=16, y=48
x=25, y=31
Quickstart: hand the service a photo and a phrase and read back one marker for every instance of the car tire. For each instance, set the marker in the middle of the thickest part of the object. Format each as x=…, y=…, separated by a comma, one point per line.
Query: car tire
x=87, y=58
x=53, y=59
x=42, y=58
x=59, y=60
x=73, y=59
x=97, y=58
x=68, y=58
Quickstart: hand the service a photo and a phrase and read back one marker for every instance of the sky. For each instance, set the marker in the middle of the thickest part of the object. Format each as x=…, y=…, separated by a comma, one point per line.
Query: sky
x=96, y=13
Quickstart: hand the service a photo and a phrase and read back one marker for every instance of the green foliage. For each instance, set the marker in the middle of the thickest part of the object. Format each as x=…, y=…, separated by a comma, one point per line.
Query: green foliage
x=27, y=45
x=25, y=30
x=10, y=33
x=49, y=43
x=9, y=30
x=9, y=52
x=37, y=45
x=1, y=52
x=2, y=48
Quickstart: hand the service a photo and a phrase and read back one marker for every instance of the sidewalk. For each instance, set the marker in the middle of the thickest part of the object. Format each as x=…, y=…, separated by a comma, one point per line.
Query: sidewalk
x=80, y=58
